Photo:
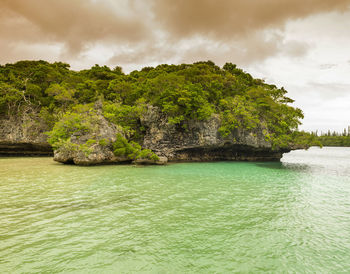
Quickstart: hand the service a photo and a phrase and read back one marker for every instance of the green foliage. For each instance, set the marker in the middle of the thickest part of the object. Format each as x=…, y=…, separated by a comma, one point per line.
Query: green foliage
x=305, y=139
x=91, y=142
x=10, y=98
x=131, y=150
x=103, y=142
x=61, y=93
x=80, y=121
x=237, y=112
x=120, y=90
x=86, y=148
x=334, y=140
x=86, y=92
x=123, y=148
x=182, y=92
x=128, y=117
x=187, y=102
x=49, y=116
x=148, y=154
x=66, y=144
x=32, y=78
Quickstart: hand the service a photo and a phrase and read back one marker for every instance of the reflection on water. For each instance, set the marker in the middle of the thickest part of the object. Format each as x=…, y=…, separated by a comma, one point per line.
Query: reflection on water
x=328, y=160
x=292, y=216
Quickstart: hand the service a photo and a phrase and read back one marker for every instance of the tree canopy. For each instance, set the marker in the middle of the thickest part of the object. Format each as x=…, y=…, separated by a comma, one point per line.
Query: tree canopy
x=182, y=92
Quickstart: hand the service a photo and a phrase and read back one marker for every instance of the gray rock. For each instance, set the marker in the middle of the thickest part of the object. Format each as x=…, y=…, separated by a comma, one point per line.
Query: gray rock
x=24, y=135
x=201, y=141
x=161, y=161
x=80, y=153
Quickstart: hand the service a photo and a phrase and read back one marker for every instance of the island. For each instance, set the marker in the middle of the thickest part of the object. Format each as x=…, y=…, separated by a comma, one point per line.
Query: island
x=168, y=113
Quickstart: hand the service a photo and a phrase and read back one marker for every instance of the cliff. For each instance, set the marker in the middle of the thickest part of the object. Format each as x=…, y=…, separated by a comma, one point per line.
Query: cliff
x=194, y=140
x=201, y=140
x=24, y=135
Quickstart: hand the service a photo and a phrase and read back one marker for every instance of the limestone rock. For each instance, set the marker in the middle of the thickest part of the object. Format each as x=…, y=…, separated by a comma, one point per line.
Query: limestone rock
x=201, y=140
x=192, y=141
x=161, y=161
x=80, y=152
x=24, y=135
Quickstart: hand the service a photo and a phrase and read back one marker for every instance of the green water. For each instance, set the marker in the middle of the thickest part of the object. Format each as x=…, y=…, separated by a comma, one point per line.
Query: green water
x=181, y=218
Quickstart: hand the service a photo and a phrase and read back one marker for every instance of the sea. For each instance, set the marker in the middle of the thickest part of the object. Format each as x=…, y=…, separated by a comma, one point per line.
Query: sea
x=291, y=216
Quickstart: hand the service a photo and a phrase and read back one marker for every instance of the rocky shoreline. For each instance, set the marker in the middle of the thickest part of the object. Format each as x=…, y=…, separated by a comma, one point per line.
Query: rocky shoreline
x=197, y=141
x=25, y=149
x=201, y=154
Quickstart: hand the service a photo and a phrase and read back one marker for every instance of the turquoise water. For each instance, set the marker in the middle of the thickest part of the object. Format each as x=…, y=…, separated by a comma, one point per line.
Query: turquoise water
x=220, y=217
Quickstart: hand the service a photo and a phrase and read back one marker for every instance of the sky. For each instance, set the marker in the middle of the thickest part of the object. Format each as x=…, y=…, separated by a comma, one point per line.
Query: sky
x=302, y=45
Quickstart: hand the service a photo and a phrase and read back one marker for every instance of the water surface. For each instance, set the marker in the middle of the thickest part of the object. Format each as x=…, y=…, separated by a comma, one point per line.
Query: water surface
x=182, y=218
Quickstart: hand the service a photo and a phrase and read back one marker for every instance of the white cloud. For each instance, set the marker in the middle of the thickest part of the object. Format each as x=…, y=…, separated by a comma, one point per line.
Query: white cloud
x=319, y=81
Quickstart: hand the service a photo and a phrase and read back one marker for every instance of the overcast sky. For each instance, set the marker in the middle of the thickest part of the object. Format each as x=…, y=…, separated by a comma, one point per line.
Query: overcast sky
x=302, y=45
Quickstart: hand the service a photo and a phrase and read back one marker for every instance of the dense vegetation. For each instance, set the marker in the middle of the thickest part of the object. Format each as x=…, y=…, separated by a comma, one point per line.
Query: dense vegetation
x=132, y=150
x=183, y=92
x=334, y=139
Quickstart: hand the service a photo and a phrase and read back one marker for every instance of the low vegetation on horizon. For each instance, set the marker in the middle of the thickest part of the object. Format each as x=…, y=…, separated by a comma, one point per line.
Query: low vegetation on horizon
x=334, y=139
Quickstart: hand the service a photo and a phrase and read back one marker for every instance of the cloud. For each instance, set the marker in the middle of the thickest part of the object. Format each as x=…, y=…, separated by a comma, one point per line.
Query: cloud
x=74, y=23
x=156, y=30
x=226, y=19
x=330, y=90
x=295, y=48
x=142, y=53
x=299, y=44
x=256, y=48
x=328, y=66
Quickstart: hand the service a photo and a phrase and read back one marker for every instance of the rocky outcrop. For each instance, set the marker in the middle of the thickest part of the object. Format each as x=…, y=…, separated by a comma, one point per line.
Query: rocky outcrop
x=201, y=141
x=93, y=147
x=24, y=135
x=160, y=161
x=192, y=141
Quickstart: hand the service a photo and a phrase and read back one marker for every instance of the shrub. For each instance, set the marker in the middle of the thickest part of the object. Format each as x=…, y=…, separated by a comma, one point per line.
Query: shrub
x=80, y=121
x=131, y=150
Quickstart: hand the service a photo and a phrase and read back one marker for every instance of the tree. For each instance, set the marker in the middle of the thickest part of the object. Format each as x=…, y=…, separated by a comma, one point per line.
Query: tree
x=61, y=94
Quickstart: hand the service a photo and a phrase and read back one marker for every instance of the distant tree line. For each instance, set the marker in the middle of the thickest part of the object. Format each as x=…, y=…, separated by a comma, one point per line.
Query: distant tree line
x=334, y=139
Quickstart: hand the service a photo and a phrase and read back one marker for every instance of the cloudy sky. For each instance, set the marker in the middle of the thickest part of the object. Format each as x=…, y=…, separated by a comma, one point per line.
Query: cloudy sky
x=302, y=45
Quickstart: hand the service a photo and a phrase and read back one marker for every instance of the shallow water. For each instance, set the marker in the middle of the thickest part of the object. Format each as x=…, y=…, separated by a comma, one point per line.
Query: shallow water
x=194, y=217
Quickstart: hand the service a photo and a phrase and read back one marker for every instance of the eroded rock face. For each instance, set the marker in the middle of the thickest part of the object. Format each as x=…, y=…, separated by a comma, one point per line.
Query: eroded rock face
x=24, y=136
x=80, y=152
x=162, y=161
x=201, y=141
x=96, y=155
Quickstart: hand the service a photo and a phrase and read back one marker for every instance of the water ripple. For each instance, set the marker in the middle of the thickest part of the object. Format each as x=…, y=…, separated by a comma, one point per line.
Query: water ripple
x=195, y=217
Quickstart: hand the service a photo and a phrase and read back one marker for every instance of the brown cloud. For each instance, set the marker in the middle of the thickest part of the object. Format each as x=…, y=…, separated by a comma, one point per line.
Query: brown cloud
x=74, y=23
x=231, y=18
x=143, y=53
x=139, y=32
x=255, y=48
